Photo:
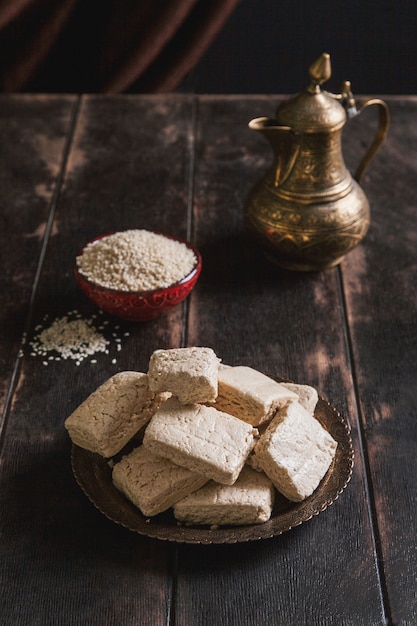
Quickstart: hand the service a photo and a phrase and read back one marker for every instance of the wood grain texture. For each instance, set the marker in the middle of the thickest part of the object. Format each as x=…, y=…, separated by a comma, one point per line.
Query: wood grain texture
x=34, y=132
x=381, y=284
x=77, y=167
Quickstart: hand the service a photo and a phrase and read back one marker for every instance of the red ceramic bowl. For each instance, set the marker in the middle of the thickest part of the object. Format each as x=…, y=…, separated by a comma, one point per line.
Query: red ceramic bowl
x=140, y=306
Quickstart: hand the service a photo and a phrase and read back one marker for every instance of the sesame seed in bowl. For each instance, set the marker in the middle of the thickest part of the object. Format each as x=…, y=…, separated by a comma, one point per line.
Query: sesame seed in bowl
x=137, y=275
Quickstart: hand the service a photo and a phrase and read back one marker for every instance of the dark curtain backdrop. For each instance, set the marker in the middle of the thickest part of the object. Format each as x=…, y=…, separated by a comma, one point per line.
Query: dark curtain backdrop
x=104, y=46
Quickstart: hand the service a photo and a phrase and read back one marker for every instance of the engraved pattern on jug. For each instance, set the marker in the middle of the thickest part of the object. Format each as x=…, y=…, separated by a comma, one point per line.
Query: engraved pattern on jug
x=338, y=215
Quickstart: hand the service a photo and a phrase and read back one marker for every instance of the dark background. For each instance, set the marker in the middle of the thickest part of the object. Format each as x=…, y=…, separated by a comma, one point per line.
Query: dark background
x=268, y=45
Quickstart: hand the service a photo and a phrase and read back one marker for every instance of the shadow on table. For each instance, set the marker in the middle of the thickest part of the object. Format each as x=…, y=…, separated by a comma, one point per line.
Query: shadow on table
x=235, y=262
x=47, y=518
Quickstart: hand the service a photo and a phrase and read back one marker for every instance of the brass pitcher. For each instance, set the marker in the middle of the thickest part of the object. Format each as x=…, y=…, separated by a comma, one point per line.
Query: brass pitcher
x=308, y=211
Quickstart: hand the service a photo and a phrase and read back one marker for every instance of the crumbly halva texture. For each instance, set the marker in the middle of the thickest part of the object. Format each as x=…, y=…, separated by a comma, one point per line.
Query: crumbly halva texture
x=250, y=395
x=136, y=260
x=188, y=373
x=200, y=438
x=295, y=452
x=248, y=501
x=153, y=483
x=113, y=413
x=307, y=396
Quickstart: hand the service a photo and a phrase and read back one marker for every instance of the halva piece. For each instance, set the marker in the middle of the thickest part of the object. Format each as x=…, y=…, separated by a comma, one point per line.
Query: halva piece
x=113, y=413
x=153, y=483
x=188, y=373
x=250, y=395
x=248, y=501
x=295, y=452
x=200, y=438
x=307, y=396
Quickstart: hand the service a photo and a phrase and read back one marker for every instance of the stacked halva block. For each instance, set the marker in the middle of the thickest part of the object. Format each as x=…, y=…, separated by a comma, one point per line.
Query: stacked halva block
x=218, y=440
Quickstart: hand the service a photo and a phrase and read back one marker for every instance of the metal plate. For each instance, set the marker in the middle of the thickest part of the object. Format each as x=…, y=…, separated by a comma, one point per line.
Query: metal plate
x=93, y=474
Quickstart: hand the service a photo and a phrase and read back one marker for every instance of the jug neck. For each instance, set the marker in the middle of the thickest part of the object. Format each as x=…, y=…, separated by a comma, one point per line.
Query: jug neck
x=319, y=170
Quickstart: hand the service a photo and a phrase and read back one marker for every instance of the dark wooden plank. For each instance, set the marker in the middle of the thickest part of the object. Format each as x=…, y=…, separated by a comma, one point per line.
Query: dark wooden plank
x=33, y=131
x=63, y=562
x=381, y=284
x=290, y=325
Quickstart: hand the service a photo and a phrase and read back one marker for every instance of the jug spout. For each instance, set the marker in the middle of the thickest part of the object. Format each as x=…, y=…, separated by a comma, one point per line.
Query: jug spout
x=284, y=143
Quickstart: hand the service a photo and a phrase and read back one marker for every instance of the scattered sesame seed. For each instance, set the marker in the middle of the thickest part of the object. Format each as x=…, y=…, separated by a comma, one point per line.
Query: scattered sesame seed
x=71, y=337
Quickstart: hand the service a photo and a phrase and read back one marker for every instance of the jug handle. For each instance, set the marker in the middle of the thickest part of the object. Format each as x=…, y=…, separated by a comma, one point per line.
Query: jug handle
x=380, y=134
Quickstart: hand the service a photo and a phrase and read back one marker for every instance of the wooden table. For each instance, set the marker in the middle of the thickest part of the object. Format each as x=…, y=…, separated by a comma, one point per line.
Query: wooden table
x=74, y=167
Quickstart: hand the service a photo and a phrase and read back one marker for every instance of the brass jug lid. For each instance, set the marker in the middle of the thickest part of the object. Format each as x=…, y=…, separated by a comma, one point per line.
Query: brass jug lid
x=313, y=110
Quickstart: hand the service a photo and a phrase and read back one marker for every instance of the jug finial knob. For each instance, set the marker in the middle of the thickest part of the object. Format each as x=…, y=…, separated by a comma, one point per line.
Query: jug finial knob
x=319, y=71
